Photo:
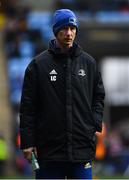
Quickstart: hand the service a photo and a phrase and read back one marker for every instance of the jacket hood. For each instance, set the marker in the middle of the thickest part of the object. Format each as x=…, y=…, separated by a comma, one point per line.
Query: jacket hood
x=74, y=51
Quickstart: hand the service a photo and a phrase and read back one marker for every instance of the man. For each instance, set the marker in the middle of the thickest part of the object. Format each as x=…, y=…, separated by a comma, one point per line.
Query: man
x=62, y=105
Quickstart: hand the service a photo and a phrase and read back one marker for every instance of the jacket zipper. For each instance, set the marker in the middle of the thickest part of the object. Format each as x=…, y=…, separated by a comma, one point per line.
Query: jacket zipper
x=69, y=109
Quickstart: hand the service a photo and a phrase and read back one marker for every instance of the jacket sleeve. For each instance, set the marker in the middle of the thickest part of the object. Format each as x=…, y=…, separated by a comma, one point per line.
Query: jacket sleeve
x=28, y=108
x=98, y=100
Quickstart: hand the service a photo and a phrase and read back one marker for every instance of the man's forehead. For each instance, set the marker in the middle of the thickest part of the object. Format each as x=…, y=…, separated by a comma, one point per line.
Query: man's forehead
x=69, y=26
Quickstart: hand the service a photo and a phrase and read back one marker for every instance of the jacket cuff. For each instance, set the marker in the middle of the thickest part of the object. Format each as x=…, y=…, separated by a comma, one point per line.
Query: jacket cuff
x=26, y=139
x=98, y=122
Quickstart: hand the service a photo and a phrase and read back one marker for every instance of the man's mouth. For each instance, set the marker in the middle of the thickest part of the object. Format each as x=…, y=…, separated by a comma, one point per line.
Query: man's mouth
x=69, y=40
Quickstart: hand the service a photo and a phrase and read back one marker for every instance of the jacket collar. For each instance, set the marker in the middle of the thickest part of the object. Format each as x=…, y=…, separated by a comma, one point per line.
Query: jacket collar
x=74, y=51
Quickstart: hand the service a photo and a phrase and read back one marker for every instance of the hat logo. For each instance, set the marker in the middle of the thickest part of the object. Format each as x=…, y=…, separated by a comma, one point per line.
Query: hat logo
x=72, y=20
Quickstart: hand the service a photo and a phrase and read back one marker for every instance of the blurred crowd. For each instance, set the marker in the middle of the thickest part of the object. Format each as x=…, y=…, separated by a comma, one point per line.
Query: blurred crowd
x=26, y=34
x=94, y=6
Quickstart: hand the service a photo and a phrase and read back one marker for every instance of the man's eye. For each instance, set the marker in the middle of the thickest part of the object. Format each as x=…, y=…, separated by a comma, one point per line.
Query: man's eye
x=72, y=28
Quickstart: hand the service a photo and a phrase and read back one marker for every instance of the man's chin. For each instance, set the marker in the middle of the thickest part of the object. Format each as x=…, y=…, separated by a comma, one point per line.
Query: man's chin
x=69, y=44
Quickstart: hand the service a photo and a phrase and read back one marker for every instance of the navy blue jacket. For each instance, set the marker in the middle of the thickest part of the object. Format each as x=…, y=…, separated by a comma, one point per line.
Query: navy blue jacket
x=62, y=105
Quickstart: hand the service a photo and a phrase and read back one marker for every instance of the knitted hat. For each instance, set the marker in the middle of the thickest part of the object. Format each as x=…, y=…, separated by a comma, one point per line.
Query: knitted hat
x=64, y=17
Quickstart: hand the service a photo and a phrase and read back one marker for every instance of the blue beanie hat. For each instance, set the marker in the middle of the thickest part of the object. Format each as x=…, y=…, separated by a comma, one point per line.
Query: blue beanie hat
x=64, y=17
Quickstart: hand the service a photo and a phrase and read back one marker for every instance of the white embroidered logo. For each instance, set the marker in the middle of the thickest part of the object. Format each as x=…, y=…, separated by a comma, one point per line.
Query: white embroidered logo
x=53, y=74
x=72, y=20
x=81, y=72
x=87, y=165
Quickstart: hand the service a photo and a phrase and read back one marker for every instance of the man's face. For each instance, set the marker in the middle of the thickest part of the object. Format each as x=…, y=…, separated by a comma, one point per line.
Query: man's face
x=66, y=36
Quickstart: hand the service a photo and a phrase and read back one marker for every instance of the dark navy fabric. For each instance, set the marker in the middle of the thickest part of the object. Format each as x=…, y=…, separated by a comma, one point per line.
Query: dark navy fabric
x=60, y=116
x=63, y=170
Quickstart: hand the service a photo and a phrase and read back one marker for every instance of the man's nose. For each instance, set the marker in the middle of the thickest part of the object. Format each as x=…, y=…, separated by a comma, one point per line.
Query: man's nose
x=68, y=32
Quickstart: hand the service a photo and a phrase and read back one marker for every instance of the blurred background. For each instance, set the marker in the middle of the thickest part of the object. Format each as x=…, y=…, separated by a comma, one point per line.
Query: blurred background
x=25, y=30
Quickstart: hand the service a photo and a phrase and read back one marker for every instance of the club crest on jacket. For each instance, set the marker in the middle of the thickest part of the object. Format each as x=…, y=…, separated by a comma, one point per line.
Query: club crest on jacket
x=81, y=72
